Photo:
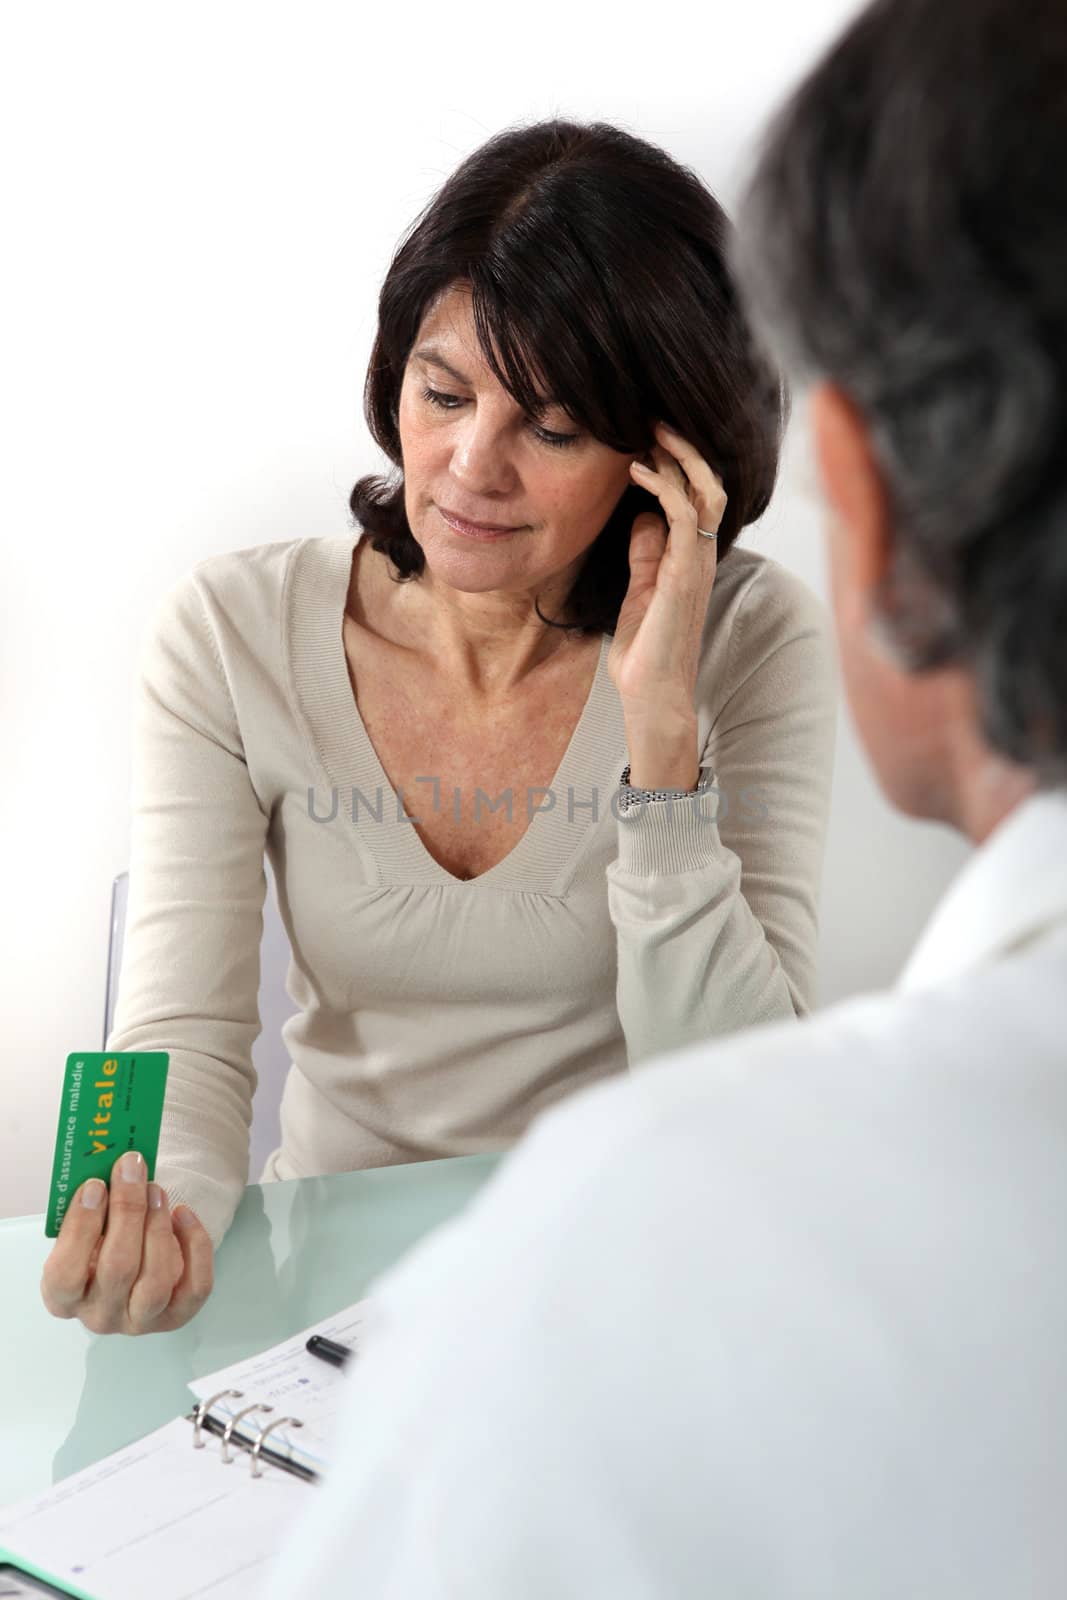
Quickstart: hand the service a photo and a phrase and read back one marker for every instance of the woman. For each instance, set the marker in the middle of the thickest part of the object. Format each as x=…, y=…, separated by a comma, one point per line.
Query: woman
x=541, y=760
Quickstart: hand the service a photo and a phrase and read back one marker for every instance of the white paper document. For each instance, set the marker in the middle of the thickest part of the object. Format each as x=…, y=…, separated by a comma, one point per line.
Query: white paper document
x=161, y=1520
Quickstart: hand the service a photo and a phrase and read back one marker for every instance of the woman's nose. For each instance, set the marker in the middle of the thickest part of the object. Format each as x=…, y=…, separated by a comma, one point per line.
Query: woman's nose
x=480, y=459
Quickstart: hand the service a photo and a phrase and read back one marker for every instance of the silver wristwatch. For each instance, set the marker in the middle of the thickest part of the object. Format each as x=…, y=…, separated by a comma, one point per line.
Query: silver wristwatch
x=630, y=797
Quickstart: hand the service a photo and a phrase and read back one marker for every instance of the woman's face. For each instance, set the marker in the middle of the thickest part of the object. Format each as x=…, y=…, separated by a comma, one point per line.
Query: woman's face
x=473, y=453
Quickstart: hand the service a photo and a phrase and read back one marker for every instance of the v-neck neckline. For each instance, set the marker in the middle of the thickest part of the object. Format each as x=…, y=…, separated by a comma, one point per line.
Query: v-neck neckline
x=313, y=616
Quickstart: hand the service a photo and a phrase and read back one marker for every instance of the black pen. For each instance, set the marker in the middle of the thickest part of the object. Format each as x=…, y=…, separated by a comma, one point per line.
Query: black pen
x=327, y=1350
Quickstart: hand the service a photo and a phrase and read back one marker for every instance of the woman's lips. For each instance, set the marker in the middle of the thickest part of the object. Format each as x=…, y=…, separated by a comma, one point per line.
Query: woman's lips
x=471, y=529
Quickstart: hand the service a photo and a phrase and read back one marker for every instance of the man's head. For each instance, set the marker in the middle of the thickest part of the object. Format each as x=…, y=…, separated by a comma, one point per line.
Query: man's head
x=903, y=248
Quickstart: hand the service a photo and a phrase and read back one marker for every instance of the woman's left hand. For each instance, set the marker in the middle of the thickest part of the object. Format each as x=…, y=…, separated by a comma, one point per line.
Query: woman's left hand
x=654, y=656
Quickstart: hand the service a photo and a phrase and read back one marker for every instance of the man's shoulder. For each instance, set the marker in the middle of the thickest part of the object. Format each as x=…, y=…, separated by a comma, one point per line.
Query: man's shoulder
x=738, y=1292
x=879, y=1161
x=965, y=1059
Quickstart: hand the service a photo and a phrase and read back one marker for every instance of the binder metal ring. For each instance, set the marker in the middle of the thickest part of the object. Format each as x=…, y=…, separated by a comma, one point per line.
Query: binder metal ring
x=234, y=1420
x=204, y=1407
x=279, y=1422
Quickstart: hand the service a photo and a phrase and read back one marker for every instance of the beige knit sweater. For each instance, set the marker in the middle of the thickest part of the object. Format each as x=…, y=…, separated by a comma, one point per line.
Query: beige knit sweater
x=437, y=1016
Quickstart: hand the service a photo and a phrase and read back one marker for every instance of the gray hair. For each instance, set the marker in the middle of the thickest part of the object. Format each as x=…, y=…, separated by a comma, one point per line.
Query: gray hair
x=904, y=235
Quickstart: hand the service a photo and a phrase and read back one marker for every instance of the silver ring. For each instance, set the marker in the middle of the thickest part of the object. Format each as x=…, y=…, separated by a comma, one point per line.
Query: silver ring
x=704, y=534
x=234, y=1420
x=204, y=1407
x=294, y=1422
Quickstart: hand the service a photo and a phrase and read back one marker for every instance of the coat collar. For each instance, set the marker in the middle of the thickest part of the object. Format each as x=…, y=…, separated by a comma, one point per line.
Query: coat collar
x=1012, y=890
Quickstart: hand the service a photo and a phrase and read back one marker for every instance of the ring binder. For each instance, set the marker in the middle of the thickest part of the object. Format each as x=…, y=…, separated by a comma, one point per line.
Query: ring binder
x=202, y=1419
x=279, y=1422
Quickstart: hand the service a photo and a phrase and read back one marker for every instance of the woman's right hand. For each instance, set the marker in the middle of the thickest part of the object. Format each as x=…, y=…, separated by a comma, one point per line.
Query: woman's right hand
x=122, y=1263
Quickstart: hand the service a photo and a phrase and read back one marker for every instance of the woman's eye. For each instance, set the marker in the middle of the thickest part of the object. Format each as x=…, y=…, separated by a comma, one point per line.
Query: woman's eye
x=449, y=402
x=560, y=440
x=436, y=398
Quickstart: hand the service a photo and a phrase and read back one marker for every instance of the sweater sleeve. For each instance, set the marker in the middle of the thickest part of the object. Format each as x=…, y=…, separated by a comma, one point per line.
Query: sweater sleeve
x=714, y=898
x=189, y=979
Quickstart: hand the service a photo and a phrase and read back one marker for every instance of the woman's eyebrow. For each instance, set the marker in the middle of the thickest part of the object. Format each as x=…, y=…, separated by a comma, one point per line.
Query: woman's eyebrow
x=430, y=356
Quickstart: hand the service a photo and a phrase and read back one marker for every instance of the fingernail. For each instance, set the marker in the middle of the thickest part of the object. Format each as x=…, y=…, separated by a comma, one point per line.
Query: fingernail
x=131, y=1167
x=635, y=466
x=155, y=1196
x=93, y=1194
x=184, y=1217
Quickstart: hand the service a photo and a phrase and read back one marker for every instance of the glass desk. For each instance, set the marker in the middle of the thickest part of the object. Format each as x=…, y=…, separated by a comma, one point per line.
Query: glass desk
x=296, y=1253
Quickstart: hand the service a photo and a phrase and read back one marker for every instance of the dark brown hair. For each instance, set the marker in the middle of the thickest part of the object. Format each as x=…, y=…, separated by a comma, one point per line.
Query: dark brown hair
x=597, y=269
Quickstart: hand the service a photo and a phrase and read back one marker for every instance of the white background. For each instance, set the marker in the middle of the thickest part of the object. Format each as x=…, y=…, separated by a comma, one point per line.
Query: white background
x=199, y=206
